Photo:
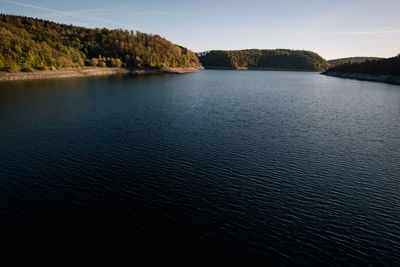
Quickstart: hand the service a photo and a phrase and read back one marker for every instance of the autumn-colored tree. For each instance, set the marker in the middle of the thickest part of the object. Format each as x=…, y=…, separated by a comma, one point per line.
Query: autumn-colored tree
x=27, y=43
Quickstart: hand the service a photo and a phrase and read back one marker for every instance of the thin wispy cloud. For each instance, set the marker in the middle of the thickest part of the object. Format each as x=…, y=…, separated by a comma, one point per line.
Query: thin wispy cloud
x=28, y=5
x=82, y=13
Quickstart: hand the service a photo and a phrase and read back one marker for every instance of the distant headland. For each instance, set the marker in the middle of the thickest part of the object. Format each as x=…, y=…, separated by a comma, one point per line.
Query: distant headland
x=338, y=61
x=277, y=59
x=379, y=70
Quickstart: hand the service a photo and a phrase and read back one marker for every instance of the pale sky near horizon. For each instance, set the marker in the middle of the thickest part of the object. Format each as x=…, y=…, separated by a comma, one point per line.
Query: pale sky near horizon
x=333, y=29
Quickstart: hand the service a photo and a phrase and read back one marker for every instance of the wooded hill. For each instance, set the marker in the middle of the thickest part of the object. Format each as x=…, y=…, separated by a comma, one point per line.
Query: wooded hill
x=27, y=44
x=338, y=61
x=263, y=59
x=386, y=66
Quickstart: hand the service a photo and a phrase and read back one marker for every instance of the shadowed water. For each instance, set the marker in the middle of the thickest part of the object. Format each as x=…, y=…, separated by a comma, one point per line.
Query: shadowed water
x=228, y=167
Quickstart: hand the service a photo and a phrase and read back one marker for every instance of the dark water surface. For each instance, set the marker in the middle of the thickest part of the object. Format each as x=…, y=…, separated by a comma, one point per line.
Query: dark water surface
x=237, y=168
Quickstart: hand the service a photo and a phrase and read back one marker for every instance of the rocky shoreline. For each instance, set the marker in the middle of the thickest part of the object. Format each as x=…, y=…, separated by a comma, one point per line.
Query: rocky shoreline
x=71, y=73
x=365, y=77
x=251, y=68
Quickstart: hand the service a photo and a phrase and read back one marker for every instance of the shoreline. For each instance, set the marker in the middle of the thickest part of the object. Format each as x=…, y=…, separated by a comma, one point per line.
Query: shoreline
x=72, y=73
x=246, y=68
x=392, y=79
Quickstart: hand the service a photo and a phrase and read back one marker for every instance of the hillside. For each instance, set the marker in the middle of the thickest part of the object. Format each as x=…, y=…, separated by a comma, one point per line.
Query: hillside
x=263, y=59
x=382, y=70
x=27, y=44
x=387, y=66
x=338, y=61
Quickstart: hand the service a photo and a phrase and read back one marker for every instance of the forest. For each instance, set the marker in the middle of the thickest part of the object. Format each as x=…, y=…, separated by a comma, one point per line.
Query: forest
x=338, y=61
x=28, y=44
x=263, y=59
x=386, y=66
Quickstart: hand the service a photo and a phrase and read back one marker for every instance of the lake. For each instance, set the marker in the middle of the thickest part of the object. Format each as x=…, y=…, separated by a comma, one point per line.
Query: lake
x=215, y=167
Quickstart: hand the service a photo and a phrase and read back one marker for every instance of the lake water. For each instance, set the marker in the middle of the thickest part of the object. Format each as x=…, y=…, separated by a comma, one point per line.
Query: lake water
x=229, y=167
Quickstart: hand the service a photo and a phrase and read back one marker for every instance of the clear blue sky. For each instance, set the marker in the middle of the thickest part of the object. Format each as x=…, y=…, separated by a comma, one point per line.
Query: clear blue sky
x=332, y=28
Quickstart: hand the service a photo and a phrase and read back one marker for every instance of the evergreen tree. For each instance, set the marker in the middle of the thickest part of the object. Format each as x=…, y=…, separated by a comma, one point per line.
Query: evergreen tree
x=266, y=59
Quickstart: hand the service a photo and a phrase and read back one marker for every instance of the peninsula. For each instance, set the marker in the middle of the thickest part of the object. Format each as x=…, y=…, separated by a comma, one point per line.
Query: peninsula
x=381, y=70
x=277, y=59
x=338, y=61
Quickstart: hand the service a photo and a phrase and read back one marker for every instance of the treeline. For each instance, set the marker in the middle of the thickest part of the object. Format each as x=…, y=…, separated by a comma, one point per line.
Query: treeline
x=335, y=62
x=387, y=66
x=27, y=44
x=265, y=59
